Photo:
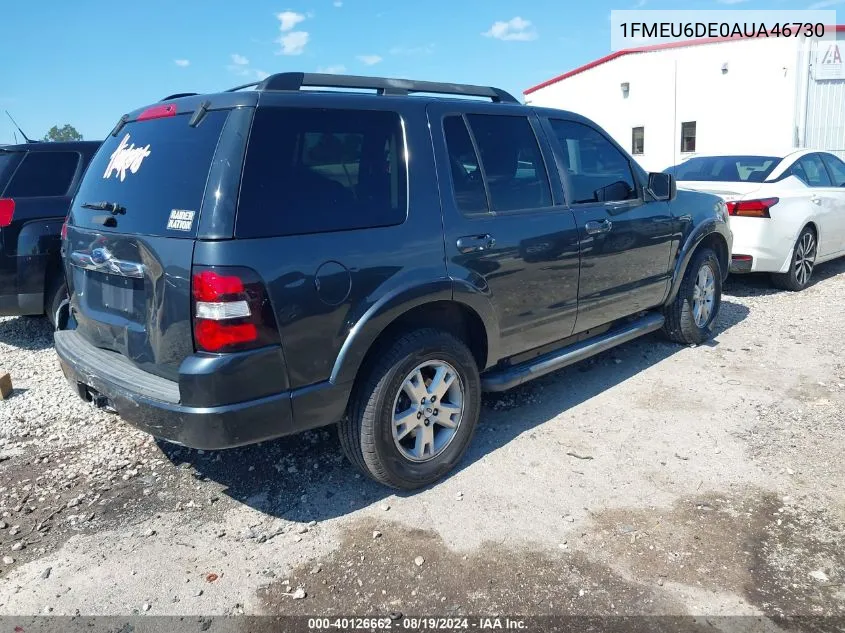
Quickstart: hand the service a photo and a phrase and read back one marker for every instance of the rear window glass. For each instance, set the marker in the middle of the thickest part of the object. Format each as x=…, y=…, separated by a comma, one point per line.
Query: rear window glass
x=725, y=168
x=43, y=174
x=156, y=170
x=315, y=171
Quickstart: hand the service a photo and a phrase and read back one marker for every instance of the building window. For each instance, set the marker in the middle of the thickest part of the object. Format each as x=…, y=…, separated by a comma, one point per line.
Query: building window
x=637, y=141
x=688, y=136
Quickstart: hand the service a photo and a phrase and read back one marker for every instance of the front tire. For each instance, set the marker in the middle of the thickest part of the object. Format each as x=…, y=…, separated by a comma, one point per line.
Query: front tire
x=413, y=414
x=691, y=317
x=801, y=265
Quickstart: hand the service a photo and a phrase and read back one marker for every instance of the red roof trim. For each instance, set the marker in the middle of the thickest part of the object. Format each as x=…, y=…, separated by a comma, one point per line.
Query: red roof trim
x=644, y=49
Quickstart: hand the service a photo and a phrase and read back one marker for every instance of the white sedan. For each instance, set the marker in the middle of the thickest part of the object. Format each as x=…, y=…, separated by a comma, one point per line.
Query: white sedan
x=787, y=213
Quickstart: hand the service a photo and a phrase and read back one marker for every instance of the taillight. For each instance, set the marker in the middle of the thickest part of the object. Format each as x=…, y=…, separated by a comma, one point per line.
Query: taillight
x=752, y=208
x=231, y=310
x=158, y=112
x=7, y=211
x=64, y=230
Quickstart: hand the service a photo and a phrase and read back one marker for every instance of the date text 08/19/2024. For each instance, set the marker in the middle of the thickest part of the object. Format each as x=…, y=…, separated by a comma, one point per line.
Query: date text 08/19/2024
x=417, y=624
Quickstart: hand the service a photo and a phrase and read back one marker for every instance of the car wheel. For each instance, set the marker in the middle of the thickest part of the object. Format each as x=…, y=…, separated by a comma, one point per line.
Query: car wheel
x=690, y=318
x=55, y=303
x=802, y=264
x=414, y=413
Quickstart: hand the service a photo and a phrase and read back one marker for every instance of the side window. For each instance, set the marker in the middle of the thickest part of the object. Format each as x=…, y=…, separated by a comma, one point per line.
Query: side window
x=816, y=174
x=598, y=171
x=315, y=171
x=43, y=174
x=836, y=168
x=512, y=162
x=797, y=170
x=467, y=183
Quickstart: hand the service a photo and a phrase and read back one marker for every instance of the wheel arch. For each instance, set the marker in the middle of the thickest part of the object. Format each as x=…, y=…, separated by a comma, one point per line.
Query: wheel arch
x=707, y=235
x=430, y=305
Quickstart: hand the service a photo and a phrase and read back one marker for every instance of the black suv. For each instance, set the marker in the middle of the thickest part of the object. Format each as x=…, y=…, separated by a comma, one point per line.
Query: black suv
x=37, y=181
x=255, y=263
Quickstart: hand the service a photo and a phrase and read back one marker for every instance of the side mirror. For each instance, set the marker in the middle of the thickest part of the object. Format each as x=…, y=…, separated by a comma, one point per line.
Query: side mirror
x=662, y=186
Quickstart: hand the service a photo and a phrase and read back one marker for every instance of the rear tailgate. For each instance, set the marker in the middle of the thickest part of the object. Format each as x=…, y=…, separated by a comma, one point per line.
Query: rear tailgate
x=131, y=237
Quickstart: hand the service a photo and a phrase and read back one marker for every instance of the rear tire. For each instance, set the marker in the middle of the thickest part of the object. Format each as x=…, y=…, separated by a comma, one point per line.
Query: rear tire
x=389, y=434
x=54, y=299
x=691, y=317
x=801, y=265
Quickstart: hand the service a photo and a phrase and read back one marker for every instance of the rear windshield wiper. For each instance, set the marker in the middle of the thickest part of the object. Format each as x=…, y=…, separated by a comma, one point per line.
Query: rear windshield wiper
x=112, y=207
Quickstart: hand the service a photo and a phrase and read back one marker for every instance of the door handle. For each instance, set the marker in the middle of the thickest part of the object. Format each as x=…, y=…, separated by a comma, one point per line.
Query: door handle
x=595, y=228
x=816, y=200
x=475, y=243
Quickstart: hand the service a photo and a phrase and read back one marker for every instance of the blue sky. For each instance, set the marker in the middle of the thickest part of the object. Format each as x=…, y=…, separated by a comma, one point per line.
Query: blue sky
x=87, y=62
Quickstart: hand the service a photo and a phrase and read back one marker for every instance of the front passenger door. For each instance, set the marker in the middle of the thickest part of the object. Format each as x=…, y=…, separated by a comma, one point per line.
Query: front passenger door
x=625, y=237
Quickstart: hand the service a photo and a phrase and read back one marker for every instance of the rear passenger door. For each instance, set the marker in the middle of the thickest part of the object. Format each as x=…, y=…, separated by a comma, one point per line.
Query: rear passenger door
x=507, y=231
x=625, y=237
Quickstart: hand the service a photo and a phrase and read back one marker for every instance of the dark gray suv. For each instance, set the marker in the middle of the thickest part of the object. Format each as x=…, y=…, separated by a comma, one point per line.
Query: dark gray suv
x=271, y=259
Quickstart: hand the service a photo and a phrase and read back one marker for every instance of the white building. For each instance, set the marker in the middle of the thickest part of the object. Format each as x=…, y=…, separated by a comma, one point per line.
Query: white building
x=667, y=102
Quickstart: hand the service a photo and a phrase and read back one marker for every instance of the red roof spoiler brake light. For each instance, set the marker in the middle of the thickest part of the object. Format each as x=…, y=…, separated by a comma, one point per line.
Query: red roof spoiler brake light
x=158, y=112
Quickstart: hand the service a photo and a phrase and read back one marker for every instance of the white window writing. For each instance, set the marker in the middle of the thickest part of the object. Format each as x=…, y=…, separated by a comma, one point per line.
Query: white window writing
x=125, y=157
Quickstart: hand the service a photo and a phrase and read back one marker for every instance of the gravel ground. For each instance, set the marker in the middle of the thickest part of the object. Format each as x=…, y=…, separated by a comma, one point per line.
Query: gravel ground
x=653, y=479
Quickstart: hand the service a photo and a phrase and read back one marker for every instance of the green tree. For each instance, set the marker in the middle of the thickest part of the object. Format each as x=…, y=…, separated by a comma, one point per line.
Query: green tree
x=64, y=133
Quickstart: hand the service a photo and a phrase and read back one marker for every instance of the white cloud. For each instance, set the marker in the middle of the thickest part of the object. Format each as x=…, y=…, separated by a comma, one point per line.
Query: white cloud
x=515, y=29
x=293, y=43
x=337, y=69
x=289, y=19
x=369, y=60
x=825, y=4
x=183, y=63
x=240, y=66
x=338, y=3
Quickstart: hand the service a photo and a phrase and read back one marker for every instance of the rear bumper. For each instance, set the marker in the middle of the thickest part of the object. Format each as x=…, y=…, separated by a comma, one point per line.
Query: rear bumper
x=768, y=244
x=152, y=404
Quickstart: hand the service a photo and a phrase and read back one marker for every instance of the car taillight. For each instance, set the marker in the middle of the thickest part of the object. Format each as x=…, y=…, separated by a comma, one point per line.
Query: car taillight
x=752, y=208
x=64, y=230
x=7, y=211
x=158, y=112
x=231, y=310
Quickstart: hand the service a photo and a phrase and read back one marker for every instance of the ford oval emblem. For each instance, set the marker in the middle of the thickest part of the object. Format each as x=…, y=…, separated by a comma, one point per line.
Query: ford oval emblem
x=100, y=255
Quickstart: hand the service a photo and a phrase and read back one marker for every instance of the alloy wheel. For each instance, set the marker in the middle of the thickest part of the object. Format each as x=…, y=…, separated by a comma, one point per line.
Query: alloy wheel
x=428, y=410
x=805, y=257
x=703, y=296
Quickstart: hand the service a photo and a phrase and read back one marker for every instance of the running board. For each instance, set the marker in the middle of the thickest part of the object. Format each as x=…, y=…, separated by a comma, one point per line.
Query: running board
x=509, y=377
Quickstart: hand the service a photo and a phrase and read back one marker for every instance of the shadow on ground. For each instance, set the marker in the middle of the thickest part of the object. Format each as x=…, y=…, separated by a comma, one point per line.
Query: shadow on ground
x=305, y=477
x=32, y=333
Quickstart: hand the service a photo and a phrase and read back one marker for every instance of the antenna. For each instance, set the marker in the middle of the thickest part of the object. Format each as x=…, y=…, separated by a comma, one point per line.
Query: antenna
x=26, y=138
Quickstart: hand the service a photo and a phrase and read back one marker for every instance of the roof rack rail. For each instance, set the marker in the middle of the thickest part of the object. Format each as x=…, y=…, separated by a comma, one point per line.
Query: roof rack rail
x=179, y=95
x=241, y=87
x=382, y=85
